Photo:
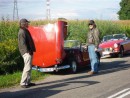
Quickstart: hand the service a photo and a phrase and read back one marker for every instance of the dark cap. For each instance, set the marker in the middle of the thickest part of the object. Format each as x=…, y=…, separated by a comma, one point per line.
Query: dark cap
x=24, y=20
x=91, y=22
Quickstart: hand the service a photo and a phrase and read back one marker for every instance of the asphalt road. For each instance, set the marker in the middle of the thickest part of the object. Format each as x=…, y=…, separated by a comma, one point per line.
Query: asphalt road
x=113, y=81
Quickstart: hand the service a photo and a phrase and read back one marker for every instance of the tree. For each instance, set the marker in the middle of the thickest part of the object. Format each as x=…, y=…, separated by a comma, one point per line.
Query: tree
x=124, y=13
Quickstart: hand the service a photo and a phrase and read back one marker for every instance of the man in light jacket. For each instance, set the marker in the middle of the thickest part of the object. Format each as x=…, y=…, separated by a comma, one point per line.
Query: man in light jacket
x=92, y=44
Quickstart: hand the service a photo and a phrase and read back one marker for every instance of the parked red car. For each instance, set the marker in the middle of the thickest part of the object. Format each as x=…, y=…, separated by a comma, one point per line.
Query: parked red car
x=53, y=53
x=116, y=44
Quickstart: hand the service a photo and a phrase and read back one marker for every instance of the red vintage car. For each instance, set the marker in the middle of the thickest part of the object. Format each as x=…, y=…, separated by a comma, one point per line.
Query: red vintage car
x=53, y=53
x=116, y=44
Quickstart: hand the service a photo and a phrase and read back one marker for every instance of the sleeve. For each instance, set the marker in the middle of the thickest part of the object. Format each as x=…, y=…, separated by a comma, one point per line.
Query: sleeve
x=22, y=42
x=96, y=37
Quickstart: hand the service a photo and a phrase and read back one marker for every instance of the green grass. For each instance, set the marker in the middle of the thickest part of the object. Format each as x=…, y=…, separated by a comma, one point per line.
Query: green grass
x=14, y=79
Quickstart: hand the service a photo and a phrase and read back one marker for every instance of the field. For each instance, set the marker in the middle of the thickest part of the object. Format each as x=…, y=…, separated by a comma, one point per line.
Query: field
x=10, y=59
x=11, y=63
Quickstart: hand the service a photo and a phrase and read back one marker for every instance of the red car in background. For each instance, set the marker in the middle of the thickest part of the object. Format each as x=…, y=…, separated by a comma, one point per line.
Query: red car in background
x=115, y=45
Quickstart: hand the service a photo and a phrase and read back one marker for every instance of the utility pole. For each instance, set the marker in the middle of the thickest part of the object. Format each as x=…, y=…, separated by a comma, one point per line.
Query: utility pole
x=48, y=16
x=15, y=11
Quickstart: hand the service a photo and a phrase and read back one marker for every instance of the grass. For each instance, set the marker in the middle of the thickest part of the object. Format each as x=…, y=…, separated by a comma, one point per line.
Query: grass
x=14, y=79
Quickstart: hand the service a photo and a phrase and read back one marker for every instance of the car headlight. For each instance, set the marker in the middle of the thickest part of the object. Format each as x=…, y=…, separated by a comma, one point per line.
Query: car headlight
x=110, y=49
x=115, y=45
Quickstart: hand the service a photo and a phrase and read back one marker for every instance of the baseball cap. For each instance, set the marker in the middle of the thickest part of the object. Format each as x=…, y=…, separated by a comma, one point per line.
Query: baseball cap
x=24, y=20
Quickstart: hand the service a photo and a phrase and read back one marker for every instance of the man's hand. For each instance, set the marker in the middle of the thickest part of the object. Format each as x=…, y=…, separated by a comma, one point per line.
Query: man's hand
x=85, y=47
x=96, y=49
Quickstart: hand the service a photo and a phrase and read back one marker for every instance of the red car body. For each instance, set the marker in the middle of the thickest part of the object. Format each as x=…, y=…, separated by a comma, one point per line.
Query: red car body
x=51, y=54
x=48, y=40
x=116, y=44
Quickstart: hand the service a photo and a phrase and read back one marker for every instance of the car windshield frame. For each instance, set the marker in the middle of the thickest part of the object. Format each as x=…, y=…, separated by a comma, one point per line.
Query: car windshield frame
x=108, y=37
x=72, y=44
x=119, y=36
x=113, y=37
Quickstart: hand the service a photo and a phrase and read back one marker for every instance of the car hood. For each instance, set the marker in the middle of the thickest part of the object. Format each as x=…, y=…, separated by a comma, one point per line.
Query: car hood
x=109, y=43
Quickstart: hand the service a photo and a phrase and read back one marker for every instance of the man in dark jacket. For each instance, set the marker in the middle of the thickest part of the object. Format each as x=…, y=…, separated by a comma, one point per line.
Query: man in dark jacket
x=26, y=48
x=92, y=44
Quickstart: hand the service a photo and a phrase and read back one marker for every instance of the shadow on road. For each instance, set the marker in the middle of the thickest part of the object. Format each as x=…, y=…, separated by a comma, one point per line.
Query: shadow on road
x=44, y=90
x=47, y=89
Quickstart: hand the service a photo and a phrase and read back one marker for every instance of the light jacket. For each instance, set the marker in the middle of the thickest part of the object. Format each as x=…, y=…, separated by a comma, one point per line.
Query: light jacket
x=93, y=37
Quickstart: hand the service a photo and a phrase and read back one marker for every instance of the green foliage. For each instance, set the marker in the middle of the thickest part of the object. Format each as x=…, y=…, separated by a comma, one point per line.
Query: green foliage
x=77, y=30
x=41, y=22
x=108, y=27
x=10, y=60
x=14, y=79
x=124, y=13
x=71, y=44
x=10, y=80
x=8, y=30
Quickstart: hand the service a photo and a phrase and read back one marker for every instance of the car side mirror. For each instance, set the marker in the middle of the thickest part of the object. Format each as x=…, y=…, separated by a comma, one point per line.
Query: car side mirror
x=126, y=38
x=102, y=41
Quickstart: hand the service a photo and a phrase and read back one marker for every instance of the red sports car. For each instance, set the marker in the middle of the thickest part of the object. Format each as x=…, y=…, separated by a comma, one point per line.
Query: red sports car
x=116, y=44
x=53, y=53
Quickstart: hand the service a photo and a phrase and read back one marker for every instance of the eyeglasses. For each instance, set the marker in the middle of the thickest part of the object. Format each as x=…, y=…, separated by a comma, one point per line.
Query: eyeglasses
x=90, y=24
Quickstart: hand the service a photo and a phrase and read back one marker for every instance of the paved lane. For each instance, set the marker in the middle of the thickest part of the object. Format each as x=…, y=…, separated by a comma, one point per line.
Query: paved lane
x=113, y=81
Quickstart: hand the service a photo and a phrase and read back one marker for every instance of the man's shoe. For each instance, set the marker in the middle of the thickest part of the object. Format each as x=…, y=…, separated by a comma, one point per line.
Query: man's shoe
x=92, y=72
x=24, y=86
x=31, y=84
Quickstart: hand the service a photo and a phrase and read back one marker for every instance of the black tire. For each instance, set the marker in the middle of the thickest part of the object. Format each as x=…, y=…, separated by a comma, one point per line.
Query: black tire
x=121, y=54
x=73, y=66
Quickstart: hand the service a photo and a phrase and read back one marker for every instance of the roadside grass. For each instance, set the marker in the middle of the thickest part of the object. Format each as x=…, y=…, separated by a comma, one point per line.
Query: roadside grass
x=14, y=79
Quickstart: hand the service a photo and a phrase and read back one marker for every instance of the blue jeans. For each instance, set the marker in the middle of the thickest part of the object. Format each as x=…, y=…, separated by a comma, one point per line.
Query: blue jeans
x=93, y=58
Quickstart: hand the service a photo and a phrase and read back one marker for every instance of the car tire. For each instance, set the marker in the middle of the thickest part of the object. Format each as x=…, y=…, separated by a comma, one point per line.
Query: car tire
x=73, y=66
x=121, y=54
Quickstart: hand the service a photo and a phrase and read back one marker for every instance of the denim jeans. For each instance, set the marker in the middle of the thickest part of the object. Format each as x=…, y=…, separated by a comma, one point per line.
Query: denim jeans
x=94, y=60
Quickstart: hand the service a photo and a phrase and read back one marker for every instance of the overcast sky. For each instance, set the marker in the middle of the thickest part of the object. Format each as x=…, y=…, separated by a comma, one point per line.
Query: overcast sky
x=69, y=9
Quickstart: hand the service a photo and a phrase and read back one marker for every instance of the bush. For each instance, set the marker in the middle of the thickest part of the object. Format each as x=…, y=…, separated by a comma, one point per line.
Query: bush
x=10, y=60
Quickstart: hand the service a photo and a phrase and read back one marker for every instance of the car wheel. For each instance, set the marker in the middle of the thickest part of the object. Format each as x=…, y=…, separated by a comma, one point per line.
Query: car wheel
x=73, y=66
x=121, y=54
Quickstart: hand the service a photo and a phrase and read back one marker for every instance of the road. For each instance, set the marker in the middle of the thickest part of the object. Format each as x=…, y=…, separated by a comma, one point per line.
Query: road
x=113, y=81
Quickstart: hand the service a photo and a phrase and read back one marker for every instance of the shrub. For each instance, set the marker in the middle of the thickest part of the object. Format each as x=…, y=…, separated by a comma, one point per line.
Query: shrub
x=10, y=60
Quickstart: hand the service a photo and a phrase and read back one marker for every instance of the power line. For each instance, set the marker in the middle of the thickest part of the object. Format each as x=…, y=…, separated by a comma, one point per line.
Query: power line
x=15, y=11
x=48, y=16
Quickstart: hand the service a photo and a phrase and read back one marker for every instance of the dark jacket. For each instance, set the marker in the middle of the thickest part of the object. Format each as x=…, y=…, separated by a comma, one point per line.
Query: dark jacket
x=93, y=37
x=25, y=42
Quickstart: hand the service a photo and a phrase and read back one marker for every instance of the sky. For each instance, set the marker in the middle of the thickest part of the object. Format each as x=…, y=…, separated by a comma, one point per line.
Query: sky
x=69, y=9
